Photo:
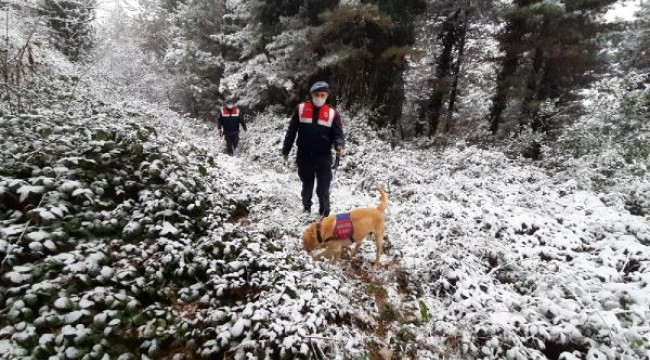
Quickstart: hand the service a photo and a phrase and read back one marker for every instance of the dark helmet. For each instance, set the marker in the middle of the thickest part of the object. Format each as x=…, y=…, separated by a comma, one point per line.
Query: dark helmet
x=319, y=86
x=230, y=99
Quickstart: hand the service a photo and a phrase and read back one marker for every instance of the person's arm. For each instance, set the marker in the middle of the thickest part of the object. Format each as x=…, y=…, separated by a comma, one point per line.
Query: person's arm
x=213, y=110
x=290, y=136
x=338, y=135
x=220, y=121
x=242, y=121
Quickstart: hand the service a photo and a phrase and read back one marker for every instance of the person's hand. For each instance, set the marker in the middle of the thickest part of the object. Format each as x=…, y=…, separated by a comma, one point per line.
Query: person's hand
x=286, y=157
x=339, y=150
x=220, y=133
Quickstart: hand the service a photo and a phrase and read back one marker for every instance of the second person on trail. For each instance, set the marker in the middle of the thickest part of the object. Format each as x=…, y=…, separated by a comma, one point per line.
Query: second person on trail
x=230, y=119
x=319, y=128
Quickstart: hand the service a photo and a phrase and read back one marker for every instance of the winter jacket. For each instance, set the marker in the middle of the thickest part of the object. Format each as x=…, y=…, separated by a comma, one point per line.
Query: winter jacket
x=318, y=129
x=230, y=120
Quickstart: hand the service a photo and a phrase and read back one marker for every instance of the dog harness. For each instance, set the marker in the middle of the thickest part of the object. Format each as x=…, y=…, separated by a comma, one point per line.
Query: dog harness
x=343, y=229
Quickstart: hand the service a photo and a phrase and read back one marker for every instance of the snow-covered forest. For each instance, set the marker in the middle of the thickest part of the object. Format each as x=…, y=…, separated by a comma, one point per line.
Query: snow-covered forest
x=512, y=138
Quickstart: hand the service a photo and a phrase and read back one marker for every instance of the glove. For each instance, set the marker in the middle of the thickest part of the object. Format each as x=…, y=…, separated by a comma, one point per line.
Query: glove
x=339, y=151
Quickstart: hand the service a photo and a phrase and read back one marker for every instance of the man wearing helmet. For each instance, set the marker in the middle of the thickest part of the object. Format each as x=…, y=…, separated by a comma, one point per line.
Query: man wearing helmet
x=228, y=124
x=319, y=128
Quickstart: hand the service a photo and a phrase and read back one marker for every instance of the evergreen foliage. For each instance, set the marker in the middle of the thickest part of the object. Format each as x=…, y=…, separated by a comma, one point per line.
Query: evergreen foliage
x=632, y=42
x=70, y=22
x=452, y=39
x=550, y=51
x=271, y=12
x=402, y=13
x=154, y=28
x=357, y=46
x=114, y=242
x=124, y=234
x=195, y=55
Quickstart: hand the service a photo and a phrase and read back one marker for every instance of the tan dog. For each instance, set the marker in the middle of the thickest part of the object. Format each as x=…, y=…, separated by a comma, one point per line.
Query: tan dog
x=365, y=221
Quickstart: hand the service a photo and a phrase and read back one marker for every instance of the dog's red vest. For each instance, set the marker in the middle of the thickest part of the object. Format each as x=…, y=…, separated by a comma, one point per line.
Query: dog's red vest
x=343, y=228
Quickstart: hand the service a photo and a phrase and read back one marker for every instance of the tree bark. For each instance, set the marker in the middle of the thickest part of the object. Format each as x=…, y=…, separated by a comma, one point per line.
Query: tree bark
x=511, y=42
x=532, y=88
x=448, y=39
x=500, y=99
x=461, y=38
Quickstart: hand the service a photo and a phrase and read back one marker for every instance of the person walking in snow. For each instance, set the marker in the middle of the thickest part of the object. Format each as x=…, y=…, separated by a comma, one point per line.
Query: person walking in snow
x=319, y=128
x=228, y=123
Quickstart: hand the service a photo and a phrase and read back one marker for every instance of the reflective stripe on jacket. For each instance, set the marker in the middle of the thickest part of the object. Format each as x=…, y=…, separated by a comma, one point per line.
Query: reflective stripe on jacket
x=325, y=114
x=230, y=120
x=225, y=112
x=317, y=129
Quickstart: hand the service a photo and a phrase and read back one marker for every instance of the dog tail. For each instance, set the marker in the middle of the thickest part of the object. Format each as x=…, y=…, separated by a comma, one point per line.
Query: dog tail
x=383, y=203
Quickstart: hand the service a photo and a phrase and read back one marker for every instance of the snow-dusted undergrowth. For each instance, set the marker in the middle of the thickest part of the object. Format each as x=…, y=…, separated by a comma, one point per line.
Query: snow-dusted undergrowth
x=121, y=240
x=126, y=233
x=492, y=257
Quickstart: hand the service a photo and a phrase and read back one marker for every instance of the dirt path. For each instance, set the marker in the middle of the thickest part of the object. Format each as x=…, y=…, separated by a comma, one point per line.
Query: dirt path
x=274, y=204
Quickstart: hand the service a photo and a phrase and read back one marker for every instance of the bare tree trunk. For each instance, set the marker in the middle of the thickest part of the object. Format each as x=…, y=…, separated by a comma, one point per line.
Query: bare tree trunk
x=528, y=107
x=461, y=38
x=511, y=42
x=6, y=51
x=448, y=37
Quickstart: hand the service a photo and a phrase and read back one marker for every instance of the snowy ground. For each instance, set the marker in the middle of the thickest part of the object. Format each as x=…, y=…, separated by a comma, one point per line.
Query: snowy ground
x=125, y=233
x=486, y=255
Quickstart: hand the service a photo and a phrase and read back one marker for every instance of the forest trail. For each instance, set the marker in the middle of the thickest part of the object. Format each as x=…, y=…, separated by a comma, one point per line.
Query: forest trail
x=279, y=210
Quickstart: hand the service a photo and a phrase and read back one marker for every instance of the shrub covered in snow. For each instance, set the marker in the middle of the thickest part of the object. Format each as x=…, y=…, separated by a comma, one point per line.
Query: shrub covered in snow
x=125, y=233
x=489, y=257
x=121, y=239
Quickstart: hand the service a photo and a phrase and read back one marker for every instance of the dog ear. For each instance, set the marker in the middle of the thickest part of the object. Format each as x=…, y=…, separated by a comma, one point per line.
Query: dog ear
x=308, y=239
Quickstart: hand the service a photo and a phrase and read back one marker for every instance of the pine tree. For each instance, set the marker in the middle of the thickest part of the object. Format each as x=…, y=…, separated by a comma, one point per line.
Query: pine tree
x=269, y=13
x=401, y=39
x=511, y=45
x=155, y=26
x=70, y=23
x=458, y=34
x=194, y=54
x=550, y=50
x=633, y=40
x=362, y=50
x=452, y=39
x=642, y=55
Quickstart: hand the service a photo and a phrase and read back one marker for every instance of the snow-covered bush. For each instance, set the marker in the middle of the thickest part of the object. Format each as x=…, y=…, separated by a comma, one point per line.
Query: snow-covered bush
x=118, y=239
x=124, y=233
x=489, y=256
x=70, y=25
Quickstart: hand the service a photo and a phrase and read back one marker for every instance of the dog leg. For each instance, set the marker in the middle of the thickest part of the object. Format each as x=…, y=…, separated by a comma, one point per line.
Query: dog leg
x=320, y=255
x=332, y=251
x=337, y=255
x=379, y=243
x=337, y=248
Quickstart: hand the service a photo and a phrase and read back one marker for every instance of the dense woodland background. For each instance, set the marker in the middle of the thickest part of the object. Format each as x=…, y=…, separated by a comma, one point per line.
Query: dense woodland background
x=513, y=138
x=449, y=69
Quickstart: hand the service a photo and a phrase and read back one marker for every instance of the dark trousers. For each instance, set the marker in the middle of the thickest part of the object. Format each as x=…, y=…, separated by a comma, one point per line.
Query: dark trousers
x=320, y=170
x=232, y=140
